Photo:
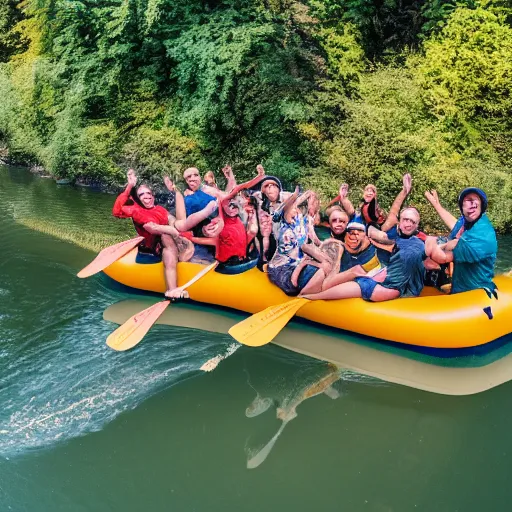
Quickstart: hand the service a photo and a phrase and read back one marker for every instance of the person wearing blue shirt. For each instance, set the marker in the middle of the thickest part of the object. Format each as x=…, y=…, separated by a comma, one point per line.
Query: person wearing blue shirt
x=472, y=244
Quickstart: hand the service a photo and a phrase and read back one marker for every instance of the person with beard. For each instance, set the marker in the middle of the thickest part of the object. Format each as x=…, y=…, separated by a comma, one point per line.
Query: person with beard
x=139, y=205
x=402, y=277
x=357, y=257
x=472, y=244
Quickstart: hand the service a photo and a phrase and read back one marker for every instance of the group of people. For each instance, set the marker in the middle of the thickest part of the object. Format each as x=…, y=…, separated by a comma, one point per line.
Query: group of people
x=370, y=253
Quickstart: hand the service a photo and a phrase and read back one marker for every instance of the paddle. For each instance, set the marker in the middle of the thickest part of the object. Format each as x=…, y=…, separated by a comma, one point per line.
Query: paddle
x=135, y=328
x=261, y=328
x=108, y=255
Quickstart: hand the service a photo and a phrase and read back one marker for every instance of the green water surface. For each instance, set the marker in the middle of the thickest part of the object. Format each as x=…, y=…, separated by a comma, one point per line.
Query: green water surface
x=83, y=428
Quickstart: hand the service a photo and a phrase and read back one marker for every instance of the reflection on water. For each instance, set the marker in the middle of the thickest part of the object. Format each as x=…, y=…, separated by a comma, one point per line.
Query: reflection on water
x=287, y=410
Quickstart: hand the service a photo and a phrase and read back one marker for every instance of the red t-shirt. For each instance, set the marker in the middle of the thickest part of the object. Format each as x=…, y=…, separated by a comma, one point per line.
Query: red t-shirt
x=232, y=239
x=140, y=216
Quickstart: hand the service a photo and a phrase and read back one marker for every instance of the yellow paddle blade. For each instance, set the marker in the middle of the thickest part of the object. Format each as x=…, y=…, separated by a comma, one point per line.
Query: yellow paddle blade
x=261, y=328
x=135, y=328
x=108, y=255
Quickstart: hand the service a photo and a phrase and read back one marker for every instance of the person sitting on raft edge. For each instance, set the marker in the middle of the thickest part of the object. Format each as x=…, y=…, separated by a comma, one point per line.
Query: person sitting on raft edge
x=232, y=242
x=142, y=210
x=472, y=244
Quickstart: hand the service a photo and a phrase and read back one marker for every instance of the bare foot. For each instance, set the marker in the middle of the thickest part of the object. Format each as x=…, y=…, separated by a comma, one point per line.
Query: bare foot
x=177, y=293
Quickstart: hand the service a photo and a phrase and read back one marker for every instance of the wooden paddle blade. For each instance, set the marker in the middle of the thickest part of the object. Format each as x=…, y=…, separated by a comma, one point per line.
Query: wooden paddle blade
x=261, y=328
x=135, y=328
x=108, y=255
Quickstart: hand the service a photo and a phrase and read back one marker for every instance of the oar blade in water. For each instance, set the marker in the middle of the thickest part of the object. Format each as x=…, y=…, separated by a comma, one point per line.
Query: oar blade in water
x=261, y=328
x=108, y=255
x=136, y=327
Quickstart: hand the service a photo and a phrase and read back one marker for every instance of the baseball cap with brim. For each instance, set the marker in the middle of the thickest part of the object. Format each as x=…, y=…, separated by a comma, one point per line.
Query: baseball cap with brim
x=353, y=226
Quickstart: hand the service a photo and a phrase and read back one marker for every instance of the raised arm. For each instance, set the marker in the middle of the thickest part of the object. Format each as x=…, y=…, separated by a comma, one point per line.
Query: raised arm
x=230, y=178
x=120, y=209
x=344, y=201
x=392, y=218
x=445, y=215
x=247, y=184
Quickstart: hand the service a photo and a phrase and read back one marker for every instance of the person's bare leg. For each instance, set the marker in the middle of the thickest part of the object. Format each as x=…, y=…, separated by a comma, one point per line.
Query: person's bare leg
x=315, y=283
x=342, y=291
x=381, y=294
x=181, y=212
x=193, y=220
x=266, y=246
x=343, y=277
x=298, y=269
x=170, y=260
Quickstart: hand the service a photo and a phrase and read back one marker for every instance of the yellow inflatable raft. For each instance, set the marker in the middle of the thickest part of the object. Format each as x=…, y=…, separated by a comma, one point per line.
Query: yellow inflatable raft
x=434, y=320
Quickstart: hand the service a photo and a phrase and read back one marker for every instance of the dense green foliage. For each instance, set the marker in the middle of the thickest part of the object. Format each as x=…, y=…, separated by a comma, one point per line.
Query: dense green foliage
x=320, y=91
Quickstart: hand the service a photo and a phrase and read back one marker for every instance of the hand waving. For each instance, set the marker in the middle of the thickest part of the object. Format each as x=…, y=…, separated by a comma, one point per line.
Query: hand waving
x=432, y=197
x=407, y=183
x=132, y=177
x=343, y=190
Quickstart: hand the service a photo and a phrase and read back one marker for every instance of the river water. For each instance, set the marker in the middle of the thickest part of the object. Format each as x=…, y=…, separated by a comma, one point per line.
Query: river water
x=83, y=428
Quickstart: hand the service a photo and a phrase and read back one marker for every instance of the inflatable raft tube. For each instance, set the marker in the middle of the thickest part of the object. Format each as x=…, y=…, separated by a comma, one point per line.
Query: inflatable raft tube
x=344, y=351
x=434, y=320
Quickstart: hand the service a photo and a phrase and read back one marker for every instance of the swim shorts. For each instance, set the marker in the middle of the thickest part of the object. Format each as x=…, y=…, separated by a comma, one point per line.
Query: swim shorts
x=367, y=285
x=282, y=278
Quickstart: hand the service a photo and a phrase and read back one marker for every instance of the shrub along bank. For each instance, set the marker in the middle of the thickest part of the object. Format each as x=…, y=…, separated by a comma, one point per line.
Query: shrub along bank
x=318, y=91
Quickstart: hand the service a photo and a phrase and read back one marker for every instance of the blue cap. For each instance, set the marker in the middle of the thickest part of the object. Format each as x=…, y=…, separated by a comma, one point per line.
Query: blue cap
x=473, y=190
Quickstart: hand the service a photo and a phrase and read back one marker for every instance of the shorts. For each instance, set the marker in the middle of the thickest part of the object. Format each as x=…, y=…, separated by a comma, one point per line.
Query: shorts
x=306, y=274
x=146, y=258
x=282, y=278
x=367, y=285
x=202, y=255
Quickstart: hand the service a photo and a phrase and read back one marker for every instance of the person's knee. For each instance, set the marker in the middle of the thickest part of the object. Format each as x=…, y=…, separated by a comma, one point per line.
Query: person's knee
x=170, y=256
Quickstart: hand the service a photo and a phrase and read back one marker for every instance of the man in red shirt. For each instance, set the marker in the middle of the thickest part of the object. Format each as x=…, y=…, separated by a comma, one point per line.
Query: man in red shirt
x=145, y=215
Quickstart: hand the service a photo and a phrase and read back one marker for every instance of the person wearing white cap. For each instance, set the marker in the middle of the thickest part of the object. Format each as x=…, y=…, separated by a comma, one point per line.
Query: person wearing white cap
x=357, y=258
x=403, y=276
